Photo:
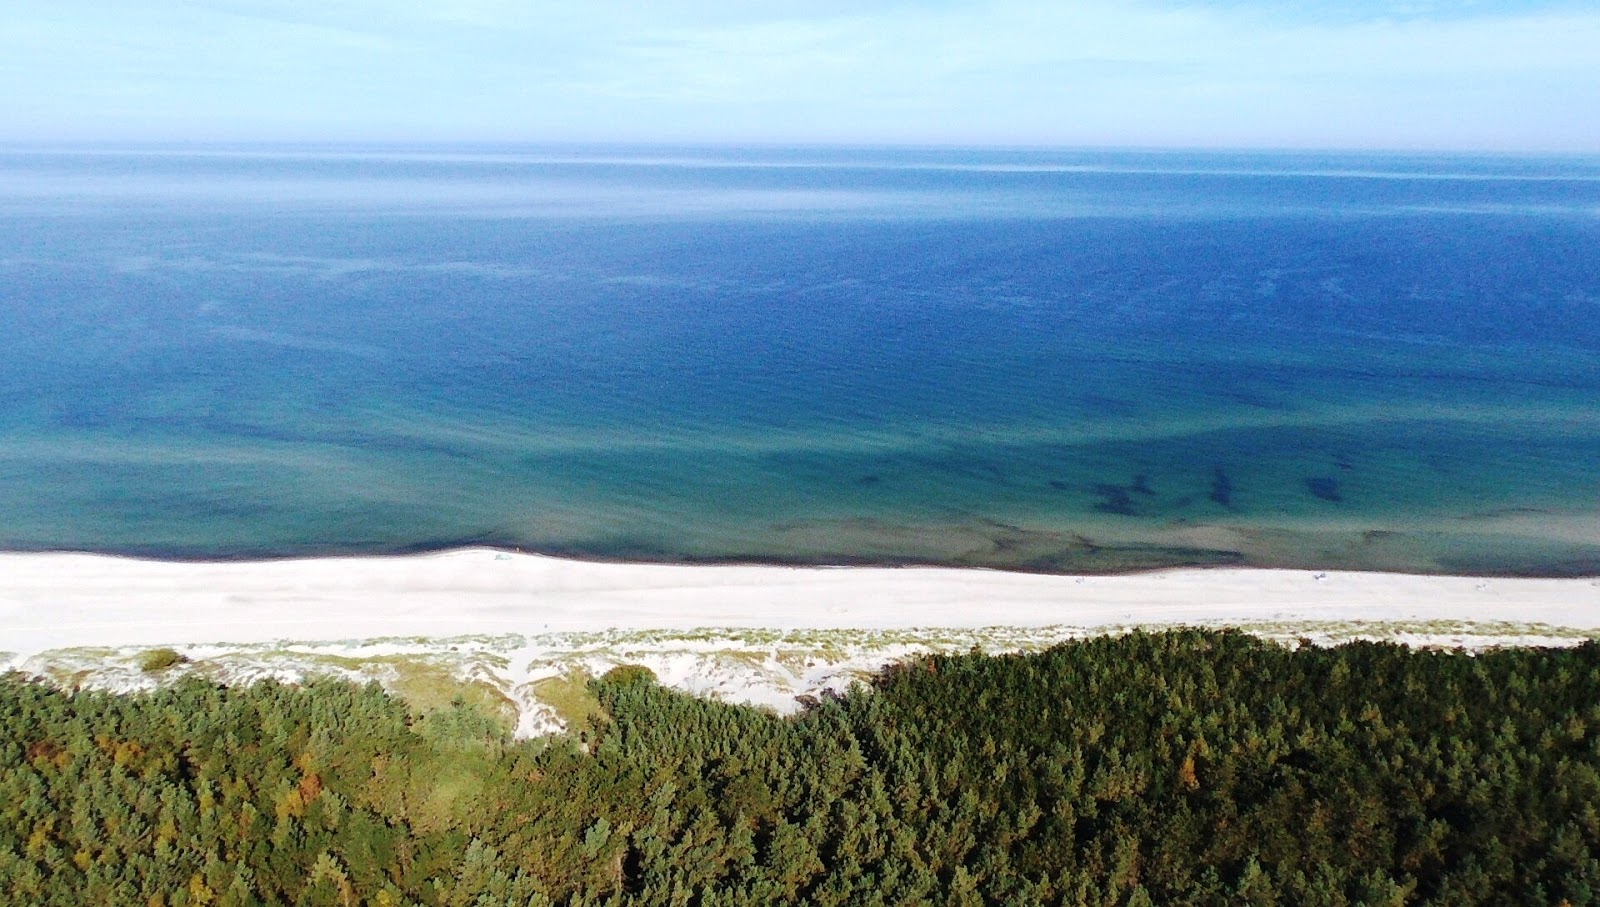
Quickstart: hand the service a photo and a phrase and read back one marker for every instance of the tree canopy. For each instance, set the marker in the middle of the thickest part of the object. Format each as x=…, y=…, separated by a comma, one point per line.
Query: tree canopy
x=1185, y=767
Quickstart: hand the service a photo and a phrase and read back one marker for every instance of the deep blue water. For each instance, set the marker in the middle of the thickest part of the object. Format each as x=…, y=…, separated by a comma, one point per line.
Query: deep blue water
x=1037, y=360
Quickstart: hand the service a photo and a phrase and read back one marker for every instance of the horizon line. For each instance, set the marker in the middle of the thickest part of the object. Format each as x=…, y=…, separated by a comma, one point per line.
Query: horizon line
x=119, y=145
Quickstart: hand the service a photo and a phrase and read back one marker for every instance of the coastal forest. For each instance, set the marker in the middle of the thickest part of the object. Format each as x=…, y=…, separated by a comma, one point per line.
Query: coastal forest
x=1182, y=767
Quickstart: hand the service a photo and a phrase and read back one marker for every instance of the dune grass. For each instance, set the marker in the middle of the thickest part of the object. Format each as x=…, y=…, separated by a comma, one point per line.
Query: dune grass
x=570, y=697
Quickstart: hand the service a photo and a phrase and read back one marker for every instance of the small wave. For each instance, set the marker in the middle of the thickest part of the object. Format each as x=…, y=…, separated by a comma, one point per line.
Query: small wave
x=299, y=342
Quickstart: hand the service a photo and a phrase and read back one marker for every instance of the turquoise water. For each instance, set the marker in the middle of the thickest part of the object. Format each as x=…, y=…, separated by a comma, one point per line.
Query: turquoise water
x=1039, y=360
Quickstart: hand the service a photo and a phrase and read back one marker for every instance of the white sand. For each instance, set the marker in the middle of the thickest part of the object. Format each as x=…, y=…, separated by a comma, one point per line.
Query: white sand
x=52, y=601
x=513, y=623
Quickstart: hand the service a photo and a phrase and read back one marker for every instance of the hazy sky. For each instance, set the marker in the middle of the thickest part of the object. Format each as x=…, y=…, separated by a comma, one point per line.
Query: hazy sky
x=1497, y=74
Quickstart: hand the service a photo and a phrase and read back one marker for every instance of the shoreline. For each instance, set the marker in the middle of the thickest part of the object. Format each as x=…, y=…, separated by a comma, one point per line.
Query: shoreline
x=865, y=563
x=58, y=600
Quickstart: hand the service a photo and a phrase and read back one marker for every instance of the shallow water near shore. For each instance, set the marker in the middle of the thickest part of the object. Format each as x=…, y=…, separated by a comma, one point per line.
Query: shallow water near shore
x=1065, y=361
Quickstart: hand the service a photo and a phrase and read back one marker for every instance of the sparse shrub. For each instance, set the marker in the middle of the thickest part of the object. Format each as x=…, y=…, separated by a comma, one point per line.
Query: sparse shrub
x=630, y=674
x=158, y=660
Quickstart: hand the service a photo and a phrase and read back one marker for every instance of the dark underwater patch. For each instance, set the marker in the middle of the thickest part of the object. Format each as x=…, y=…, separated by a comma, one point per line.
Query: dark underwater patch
x=1114, y=499
x=1221, y=487
x=1324, y=488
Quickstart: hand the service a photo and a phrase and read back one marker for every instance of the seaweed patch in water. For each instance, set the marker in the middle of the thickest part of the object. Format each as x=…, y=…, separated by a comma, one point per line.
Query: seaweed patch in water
x=1221, y=487
x=1114, y=499
x=1141, y=484
x=1324, y=488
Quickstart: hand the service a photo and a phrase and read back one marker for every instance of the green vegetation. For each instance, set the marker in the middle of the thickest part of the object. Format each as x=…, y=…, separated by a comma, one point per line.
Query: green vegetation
x=428, y=688
x=1189, y=767
x=157, y=660
x=573, y=700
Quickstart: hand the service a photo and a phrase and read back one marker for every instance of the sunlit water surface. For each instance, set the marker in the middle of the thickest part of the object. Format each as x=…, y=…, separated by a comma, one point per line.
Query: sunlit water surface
x=1049, y=361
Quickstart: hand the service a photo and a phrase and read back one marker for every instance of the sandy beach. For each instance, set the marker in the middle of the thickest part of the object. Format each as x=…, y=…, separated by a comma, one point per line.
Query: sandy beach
x=50, y=601
x=521, y=631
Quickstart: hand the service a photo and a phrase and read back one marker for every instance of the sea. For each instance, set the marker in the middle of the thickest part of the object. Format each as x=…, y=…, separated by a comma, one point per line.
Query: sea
x=1043, y=360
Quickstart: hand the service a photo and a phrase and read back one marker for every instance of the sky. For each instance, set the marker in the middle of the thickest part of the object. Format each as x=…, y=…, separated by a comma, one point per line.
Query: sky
x=1493, y=75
